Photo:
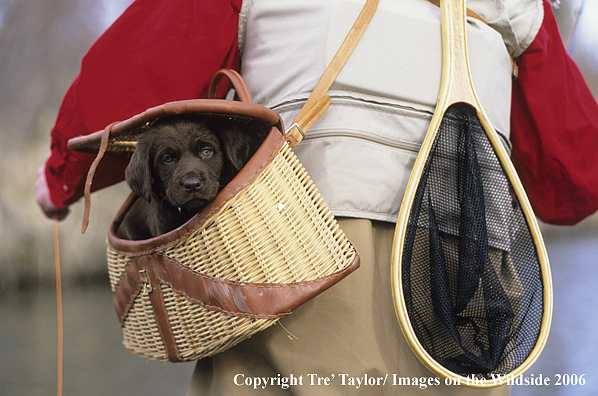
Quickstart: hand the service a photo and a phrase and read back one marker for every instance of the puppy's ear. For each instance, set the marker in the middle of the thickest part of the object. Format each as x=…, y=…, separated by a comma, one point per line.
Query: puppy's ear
x=236, y=145
x=139, y=173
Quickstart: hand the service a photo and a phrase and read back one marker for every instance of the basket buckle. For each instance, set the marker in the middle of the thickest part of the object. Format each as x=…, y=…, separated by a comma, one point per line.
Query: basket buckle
x=294, y=135
x=146, y=284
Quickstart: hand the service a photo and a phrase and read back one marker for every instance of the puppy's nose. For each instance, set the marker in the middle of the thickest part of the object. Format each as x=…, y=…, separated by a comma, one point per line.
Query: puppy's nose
x=192, y=184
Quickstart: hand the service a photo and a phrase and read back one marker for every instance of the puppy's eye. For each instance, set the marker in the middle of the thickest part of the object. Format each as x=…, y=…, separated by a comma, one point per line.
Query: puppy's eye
x=167, y=158
x=207, y=151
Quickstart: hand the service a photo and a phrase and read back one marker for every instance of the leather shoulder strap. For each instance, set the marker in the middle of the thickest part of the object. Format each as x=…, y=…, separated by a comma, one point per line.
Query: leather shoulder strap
x=318, y=101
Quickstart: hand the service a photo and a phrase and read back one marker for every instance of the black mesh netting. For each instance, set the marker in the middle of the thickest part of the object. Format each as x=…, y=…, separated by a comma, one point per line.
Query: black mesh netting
x=470, y=271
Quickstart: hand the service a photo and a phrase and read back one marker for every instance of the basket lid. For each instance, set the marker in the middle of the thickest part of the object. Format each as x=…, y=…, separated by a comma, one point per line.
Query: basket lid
x=123, y=135
x=120, y=138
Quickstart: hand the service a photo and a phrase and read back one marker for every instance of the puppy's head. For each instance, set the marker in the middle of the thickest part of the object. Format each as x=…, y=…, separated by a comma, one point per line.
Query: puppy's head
x=186, y=160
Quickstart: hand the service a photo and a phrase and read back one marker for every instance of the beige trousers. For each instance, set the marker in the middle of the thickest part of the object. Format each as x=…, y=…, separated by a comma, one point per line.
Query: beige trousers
x=346, y=341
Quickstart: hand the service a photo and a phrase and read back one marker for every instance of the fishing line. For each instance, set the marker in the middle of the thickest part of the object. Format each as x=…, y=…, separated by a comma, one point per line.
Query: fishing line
x=58, y=303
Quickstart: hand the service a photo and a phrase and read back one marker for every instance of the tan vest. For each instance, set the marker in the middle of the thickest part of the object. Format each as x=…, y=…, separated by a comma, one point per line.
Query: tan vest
x=360, y=153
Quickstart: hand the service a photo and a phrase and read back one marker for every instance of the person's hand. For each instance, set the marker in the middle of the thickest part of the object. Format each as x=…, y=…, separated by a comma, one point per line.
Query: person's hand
x=42, y=196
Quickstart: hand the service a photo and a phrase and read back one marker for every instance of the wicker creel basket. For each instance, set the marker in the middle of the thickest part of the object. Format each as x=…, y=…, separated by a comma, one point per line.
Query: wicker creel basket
x=265, y=245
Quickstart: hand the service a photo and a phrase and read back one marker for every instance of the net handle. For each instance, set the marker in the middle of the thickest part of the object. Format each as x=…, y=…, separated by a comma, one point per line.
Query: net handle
x=469, y=13
x=457, y=87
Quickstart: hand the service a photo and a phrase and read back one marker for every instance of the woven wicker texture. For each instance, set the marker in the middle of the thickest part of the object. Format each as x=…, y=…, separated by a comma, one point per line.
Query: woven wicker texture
x=276, y=230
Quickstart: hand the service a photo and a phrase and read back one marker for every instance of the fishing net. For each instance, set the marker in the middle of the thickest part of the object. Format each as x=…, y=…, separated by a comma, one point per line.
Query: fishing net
x=471, y=277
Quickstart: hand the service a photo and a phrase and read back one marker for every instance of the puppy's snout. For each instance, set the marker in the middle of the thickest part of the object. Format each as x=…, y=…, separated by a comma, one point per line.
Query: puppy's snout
x=192, y=184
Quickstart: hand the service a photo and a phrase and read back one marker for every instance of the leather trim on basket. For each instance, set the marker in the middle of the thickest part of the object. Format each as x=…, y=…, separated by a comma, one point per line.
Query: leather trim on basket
x=254, y=300
x=157, y=300
x=91, y=143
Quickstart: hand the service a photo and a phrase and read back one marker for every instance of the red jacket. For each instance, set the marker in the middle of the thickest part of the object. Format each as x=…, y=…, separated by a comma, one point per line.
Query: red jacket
x=554, y=130
x=160, y=51
x=157, y=51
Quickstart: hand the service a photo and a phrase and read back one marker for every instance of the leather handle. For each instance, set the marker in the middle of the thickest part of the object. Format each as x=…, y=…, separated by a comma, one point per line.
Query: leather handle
x=318, y=101
x=237, y=81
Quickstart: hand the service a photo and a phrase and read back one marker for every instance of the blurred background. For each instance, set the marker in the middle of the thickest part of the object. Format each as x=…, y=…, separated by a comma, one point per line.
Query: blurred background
x=41, y=46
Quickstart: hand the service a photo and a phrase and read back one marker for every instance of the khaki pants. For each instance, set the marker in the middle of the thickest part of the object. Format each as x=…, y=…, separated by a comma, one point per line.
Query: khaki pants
x=346, y=341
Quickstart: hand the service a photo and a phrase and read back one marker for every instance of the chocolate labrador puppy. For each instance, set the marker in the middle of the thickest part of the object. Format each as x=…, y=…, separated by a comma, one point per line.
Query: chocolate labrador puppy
x=179, y=165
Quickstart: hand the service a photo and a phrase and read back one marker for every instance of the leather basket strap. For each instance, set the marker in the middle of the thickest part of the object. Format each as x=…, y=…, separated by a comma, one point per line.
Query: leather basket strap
x=318, y=102
x=253, y=300
x=141, y=277
x=91, y=173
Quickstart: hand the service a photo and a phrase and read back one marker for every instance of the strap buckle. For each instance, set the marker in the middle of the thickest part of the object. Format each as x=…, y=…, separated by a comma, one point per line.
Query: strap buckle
x=294, y=134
